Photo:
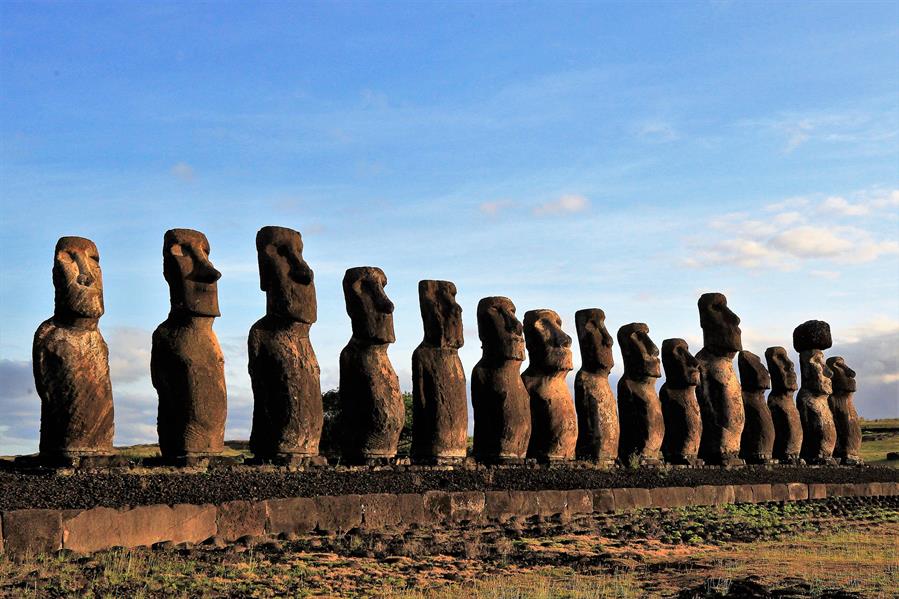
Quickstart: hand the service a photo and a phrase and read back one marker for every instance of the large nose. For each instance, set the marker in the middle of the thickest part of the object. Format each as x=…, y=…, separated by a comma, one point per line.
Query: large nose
x=299, y=270
x=204, y=271
x=560, y=338
x=85, y=277
x=381, y=301
x=513, y=325
x=826, y=371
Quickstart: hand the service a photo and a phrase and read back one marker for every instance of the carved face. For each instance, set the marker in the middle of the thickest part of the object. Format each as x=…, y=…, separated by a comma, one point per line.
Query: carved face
x=77, y=279
x=753, y=375
x=368, y=306
x=781, y=369
x=815, y=372
x=594, y=340
x=441, y=315
x=681, y=368
x=720, y=327
x=548, y=346
x=499, y=329
x=193, y=287
x=843, y=377
x=641, y=356
x=284, y=276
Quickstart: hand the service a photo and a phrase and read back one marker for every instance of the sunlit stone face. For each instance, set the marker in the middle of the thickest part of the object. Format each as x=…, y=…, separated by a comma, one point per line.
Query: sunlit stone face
x=285, y=276
x=77, y=278
x=753, y=375
x=548, y=345
x=641, y=356
x=594, y=340
x=440, y=313
x=368, y=306
x=781, y=369
x=720, y=326
x=843, y=377
x=499, y=329
x=681, y=368
x=193, y=287
x=815, y=372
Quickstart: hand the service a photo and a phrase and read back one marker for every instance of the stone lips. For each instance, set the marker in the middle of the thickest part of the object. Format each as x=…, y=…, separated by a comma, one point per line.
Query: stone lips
x=812, y=334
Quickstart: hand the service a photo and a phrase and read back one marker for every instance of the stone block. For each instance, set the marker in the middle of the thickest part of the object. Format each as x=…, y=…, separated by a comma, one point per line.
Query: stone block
x=412, y=510
x=236, y=519
x=551, y=503
x=500, y=506
x=338, y=513
x=780, y=492
x=713, y=495
x=292, y=515
x=817, y=491
x=379, y=510
x=797, y=491
x=631, y=499
x=466, y=506
x=761, y=493
x=579, y=501
x=743, y=494
x=28, y=533
x=603, y=500
x=670, y=497
x=86, y=531
x=874, y=490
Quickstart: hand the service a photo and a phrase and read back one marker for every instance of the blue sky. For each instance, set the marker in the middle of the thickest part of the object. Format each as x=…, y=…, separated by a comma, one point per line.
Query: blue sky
x=625, y=156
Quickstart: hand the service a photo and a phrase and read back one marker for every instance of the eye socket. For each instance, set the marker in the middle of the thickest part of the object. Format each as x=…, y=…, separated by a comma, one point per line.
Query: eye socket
x=176, y=250
x=282, y=250
x=95, y=258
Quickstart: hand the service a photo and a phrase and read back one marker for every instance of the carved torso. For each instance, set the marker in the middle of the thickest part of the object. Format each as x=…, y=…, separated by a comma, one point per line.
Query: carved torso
x=641, y=412
x=71, y=372
x=441, y=426
x=188, y=372
x=721, y=405
x=848, y=426
x=287, y=415
x=372, y=403
x=502, y=413
x=819, y=430
x=757, y=440
x=597, y=417
x=787, y=425
x=683, y=423
x=553, y=419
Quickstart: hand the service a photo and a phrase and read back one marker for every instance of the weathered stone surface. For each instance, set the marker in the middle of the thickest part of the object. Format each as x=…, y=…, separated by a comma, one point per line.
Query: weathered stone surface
x=287, y=398
x=499, y=399
x=784, y=414
x=553, y=419
x=718, y=392
x=411, y=507
x=631, y=499
x=462, y=506
x=812, y=334
x=780, y=492
x=643, y=426
x=99, y=528
x=670, y=497
x=797, y=491
x=28, y=533
x=500, y=506
x=186, y=362
x=380, y=510
x=579, y=501
x=339, y=513
x=597, y=411
x=762, y=493
x=235, y=519
x=680, y=408
x=819, y=435
x=440, y=402
x=372, y=406
x=817, y=491
x=713, y=495
x=846, y=421
x=757, y=441
x=292, y=515
x=603, y=501
x=71, y=360
x=743, y=494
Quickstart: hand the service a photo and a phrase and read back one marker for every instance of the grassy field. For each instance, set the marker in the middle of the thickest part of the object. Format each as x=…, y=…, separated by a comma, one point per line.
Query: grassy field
x=874, y=450
x=808, y=548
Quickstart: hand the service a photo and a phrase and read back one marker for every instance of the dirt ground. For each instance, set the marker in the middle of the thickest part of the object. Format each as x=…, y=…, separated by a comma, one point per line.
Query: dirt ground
x=828, y=548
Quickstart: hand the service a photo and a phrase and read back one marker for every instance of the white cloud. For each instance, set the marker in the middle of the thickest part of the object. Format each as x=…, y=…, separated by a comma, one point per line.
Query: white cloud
x=129, y=354
x=183, y=171
x=795, y=202
x=810, y=242
x=831, y=275
x=565, y=204
x=657, y=131
x=840, y=205
x=493, y=208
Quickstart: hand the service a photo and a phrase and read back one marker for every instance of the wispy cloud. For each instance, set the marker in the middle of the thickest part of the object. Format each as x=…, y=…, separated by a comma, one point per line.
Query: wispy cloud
x=839, y=205
x=657, y=131
x=566, y=204
x=495, y=207
x=183, y=171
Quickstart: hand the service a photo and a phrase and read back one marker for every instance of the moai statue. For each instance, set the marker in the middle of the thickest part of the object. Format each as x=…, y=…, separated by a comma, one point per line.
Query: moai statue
x=849, y=430
x=819, y=434
x=642, y=423
x=501, y=404
x=757, y=442
x=680, y=408
x=186, y=363
x=718, y=392
x=597, y=412
x=71, y=360
x=287, y=395
x=440, y=402
x=553, y=419
x=784, y=415
x=372, y=407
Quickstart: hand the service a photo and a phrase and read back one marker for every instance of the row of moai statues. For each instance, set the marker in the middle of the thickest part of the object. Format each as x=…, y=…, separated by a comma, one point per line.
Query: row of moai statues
x=702, y=414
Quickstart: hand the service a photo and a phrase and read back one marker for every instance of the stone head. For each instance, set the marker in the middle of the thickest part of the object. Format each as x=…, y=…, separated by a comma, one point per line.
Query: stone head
x=812, y=334
x=815, y=372
x=499, y=329
x=594, y=340
x=681, y=368
x=440, y=313
x=641, y=356
x=193, y=287
x=781, y=369
x=753, y=374
x=549, y=347
x=720, y=326
x=843, y=378
x=284, y=276
x=368, y=306
x=77, y=280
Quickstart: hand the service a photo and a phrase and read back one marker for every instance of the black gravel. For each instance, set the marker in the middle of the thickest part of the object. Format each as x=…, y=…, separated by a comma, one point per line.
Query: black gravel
x=79, y=490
